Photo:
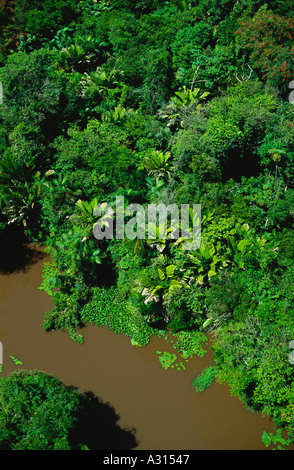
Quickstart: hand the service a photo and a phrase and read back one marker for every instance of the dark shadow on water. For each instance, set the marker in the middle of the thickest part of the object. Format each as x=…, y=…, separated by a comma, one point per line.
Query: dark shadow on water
x=97, y=428
x=16, y=254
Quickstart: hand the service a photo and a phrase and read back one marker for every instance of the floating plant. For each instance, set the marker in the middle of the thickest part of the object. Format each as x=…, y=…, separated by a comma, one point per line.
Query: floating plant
x=16, y=361
x=166, y=359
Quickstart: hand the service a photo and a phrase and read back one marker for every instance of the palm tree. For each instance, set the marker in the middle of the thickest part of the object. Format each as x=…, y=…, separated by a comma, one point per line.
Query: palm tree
x=84, y=215
x=182, y=104
x=276, y=155
x=74, y=58
x=84, y=221
x=157, y=163
x=21, y=187
x=204, y=262
x=158, y=285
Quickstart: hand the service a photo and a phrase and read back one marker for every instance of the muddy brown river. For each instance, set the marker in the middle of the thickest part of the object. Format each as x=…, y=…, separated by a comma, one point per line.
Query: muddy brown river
x=160, y=407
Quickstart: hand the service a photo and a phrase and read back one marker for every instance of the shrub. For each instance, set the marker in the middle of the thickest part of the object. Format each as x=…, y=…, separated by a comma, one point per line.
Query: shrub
x=204, y=379
x=37, y=411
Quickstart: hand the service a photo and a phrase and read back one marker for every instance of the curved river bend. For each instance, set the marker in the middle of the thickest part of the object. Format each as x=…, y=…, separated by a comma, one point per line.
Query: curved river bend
x=160, y=406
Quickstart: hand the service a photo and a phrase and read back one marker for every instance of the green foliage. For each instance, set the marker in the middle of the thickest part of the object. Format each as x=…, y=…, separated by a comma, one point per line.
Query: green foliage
x=189, y=343
x=227, y=298
x=166, y=359
x=106, y=308
x=157, y=163
x=97, y=157
x=264, y=201
x=16, y=361
x=205, y=379
x=251, y=355
x=183, y=104
x=31, y=88
x=237, y=125
x=37, y=412
x=159, y=284
x=44, y=19
x=68, y=280
x=160, y=102
x=186, y=308
x=271, y=439
x=21, y=189
x=93, y=8
x=187, y=40
x=204, y=262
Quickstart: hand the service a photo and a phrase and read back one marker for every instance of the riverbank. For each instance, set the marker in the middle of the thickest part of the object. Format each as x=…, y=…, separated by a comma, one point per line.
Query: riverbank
x=159, y=406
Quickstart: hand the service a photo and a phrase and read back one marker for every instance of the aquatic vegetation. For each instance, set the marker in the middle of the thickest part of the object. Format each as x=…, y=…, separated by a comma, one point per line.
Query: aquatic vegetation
x=205, y=379
x=16, y=361
x=190, y=343
x=166, y=359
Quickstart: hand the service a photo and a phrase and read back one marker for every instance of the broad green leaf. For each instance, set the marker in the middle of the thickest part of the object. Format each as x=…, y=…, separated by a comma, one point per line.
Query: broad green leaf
x=242, y=245
x=170, y=270
x=174, y=283
x=161, y=273
x=211, y=273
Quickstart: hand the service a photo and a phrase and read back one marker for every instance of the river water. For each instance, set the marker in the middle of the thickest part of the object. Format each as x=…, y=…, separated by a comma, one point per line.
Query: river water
x=144, y=407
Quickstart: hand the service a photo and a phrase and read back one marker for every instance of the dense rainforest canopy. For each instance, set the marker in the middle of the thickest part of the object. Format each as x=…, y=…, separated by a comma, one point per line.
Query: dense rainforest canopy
x=175, y=102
